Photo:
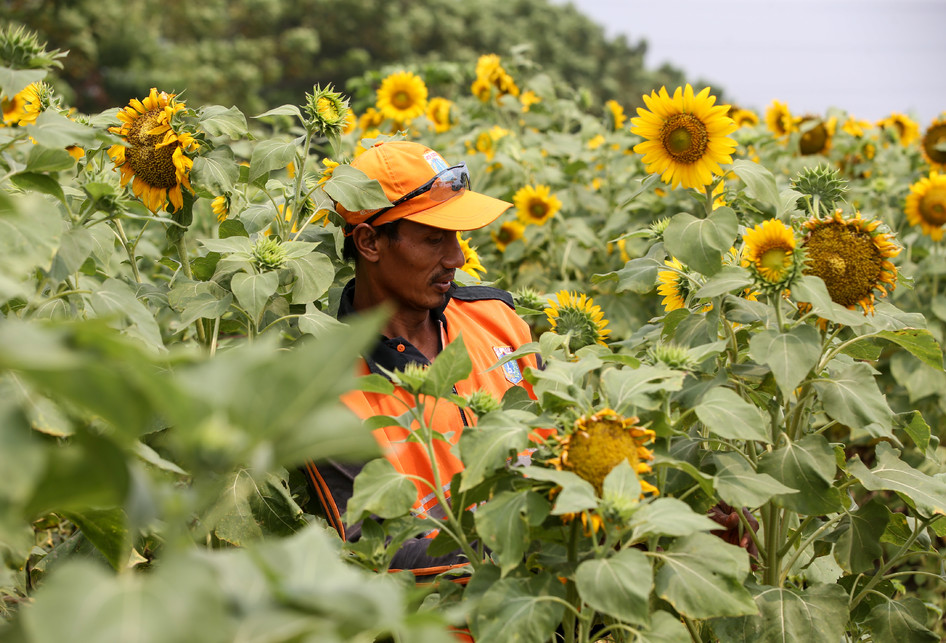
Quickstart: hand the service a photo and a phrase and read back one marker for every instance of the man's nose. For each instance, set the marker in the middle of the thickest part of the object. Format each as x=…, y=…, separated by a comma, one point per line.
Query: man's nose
x=454, y=254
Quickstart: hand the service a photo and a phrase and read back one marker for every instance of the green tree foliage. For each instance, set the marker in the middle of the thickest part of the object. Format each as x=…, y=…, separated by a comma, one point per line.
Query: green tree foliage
x=257, y=53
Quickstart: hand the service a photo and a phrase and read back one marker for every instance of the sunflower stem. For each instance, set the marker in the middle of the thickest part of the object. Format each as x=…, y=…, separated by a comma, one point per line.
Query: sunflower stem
x=129, y=249
x=779, y=322
x=571, y=590
x=186, y=267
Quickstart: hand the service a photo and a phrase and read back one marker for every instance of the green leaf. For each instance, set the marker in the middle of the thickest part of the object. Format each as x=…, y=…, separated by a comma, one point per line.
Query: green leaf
x=701, y=243
x=728, y=279
x=729, y=416
x=576, y=494
x=354, y=190
x=629, y=388
x=621, y=486
x=504, y=522
x=315, y=322
x=269, y=155
x=450, y=366
x=199, y=299
x=790, y=355
x=918, y=341
x=52, y=129
x=851, y=396
x=382, y=491
x=926, y=493
x=807, y=466
x=13, y=81
x=218, y=120
x=115, y=298
x=253, y=291
x=618, y=586
x=739, y=485
x=74, y=249
x=48, y=159
x=229, y=245
x=913, y=423
x=314, y=274
x=902, y=621
x=664, y=628
x=859, y=546
x=818, y=614
x=519, y=609
x=760, y=182
x=919, y=379
x=485, y=446
x=702, y=577
x=42, y=183
x=811, y=289
x=668, y=517
x=107, y=530
x=638, y=275
x=215, y=172
x=282, y=110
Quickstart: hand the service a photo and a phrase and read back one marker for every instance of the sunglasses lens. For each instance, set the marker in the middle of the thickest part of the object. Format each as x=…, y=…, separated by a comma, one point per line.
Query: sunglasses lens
x=450, y=183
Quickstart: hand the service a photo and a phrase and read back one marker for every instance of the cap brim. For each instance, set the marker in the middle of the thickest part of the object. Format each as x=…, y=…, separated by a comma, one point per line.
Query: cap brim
x=469, y=211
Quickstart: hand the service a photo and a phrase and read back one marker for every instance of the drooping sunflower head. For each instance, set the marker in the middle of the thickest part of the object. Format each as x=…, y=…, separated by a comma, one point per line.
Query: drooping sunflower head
x=906, y=129
x=439, y=111
x=154, y=150
x=926, y=205
x=328, y=168
x=221, y=207
x=822, y=185
x=933, y=144
x=492, y=79
x=599, y=442
x=471, y=260
x=687, y=136
x=535, y=204
x=816, y=134
x=770, y=254
x=577, y=316
x=615, y=115
x=674, y=285
x=508, y=232
x=852, y=256
x=402, y=97
x=779, y=119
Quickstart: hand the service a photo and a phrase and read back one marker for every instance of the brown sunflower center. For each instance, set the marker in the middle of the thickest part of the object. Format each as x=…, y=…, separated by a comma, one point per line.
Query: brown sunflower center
x=847, y=259
x=935, y=136
x=153, y=165
x=598, y=447
x=402, y=100
x=538, y=209
x=933, y=206
x=815, y=140
x=684, y=137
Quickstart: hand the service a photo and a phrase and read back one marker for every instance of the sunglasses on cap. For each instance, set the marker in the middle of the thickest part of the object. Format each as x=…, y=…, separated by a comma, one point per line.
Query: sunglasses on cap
x=445, y=185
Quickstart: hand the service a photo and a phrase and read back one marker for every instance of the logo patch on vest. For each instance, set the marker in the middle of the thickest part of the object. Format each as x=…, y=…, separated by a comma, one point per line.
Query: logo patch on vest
x=510, y=368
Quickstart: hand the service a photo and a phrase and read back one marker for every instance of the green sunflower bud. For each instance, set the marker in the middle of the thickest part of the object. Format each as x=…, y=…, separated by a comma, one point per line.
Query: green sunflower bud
x=529, y=298
x=412, y=378
x=21, y=49
x=482, y=402
x=658, y=227
x=326, y=111
x=822, y=187
x=269, y=253
x=673, y=355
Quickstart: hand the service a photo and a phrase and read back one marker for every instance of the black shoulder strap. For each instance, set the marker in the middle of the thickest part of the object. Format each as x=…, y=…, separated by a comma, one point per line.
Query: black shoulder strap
x=479, y=293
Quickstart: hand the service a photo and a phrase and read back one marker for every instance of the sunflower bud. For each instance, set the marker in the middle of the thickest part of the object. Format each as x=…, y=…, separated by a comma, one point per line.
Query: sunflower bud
x=269, y=253
x=672, y=355
x=327, y=111
x=412, y=378
x=482, y=402
x=822, y=187
x=21, y=49
x=577, y=317
x=658, y=227
x=529, y=298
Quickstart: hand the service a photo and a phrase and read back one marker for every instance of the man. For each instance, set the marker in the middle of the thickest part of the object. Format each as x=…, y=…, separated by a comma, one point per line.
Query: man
x=405, y=257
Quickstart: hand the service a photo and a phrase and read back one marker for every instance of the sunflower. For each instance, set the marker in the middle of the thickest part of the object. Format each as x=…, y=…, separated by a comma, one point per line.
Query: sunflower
x=490, y=75
x=599, y=442
x=471, y=260
x=153, y=153
x=779, y=120
x=528, y=99
x=851, y=256
x=370, y=120
x=816, y=134
x=908, y=130
x=438, y=111
x=770, y=254
x=329, y=167
x=687, y=137
x=616, y=116
x=220, y=206
x=856, y=127
x=350, y=121
x=535, y=204
x=577, y=316
x=926, y=205
x=674, y=285
x=933, y=144
x=743, y=117
x=402, y=97
x=508, y=232
x=26, y=105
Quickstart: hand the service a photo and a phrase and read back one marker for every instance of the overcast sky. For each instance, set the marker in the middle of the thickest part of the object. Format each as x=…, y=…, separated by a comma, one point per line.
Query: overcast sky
x=869, y=57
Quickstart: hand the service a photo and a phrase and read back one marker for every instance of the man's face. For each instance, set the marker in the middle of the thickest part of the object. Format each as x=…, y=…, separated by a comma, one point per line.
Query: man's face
x=416, y=269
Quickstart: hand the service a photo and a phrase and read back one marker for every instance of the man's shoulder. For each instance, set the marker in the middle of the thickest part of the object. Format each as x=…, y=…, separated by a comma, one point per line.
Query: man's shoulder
x=482, y=293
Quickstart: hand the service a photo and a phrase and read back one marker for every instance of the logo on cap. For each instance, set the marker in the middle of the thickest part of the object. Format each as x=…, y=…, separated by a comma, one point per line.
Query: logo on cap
x=435, y=161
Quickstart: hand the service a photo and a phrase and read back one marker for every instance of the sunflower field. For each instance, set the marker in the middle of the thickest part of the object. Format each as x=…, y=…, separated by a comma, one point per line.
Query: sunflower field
x=742, y=397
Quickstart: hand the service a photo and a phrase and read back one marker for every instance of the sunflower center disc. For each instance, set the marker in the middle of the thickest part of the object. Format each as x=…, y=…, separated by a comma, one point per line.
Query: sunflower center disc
x=402, y=100
x=684, y=137
x=933, y=207
x=934, y=143
x=153, y=165
x=847, y=260
x=537, y=209
x=773, y=261
x=814, y=141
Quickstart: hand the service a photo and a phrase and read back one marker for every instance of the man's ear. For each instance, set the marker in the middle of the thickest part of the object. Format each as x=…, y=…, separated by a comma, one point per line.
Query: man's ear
x=367, y=240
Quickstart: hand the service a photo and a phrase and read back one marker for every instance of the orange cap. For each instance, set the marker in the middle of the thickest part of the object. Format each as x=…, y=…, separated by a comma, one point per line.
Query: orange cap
x=403, y=166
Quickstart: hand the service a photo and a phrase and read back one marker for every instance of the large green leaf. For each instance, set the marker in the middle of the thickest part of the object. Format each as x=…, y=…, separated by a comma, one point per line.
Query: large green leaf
x=519, y=609
x=215, y=172
x=576, y=494
x=926, y=493
x=852, y=397
x=380, y=490
x=702, y=577
x=859, y=546
x=314, y=274
x=504, y=524
x=253, y=291
x=451, y=365
x=628, y=388
x=13, y=81
x=664, y=628
x=52, y=129
x=701, y=243
x=107, y=529
x=760, y=182
x=48, y=159
x=218, y=120
x=618, y=586
x=728, y=279
x=739, y=485
x=729, y=416
x=811, y=289
x=918, y=341
x=668, y=517
x=314, y=321
x=817, y=614
x=902, y=621
x=199, y=299
x=115, y=299
x=354, y=190
x=269, y=155
x=807, y=466
x=485, y=447
x=74, y=249
x=30, y=230
x=790, y=355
